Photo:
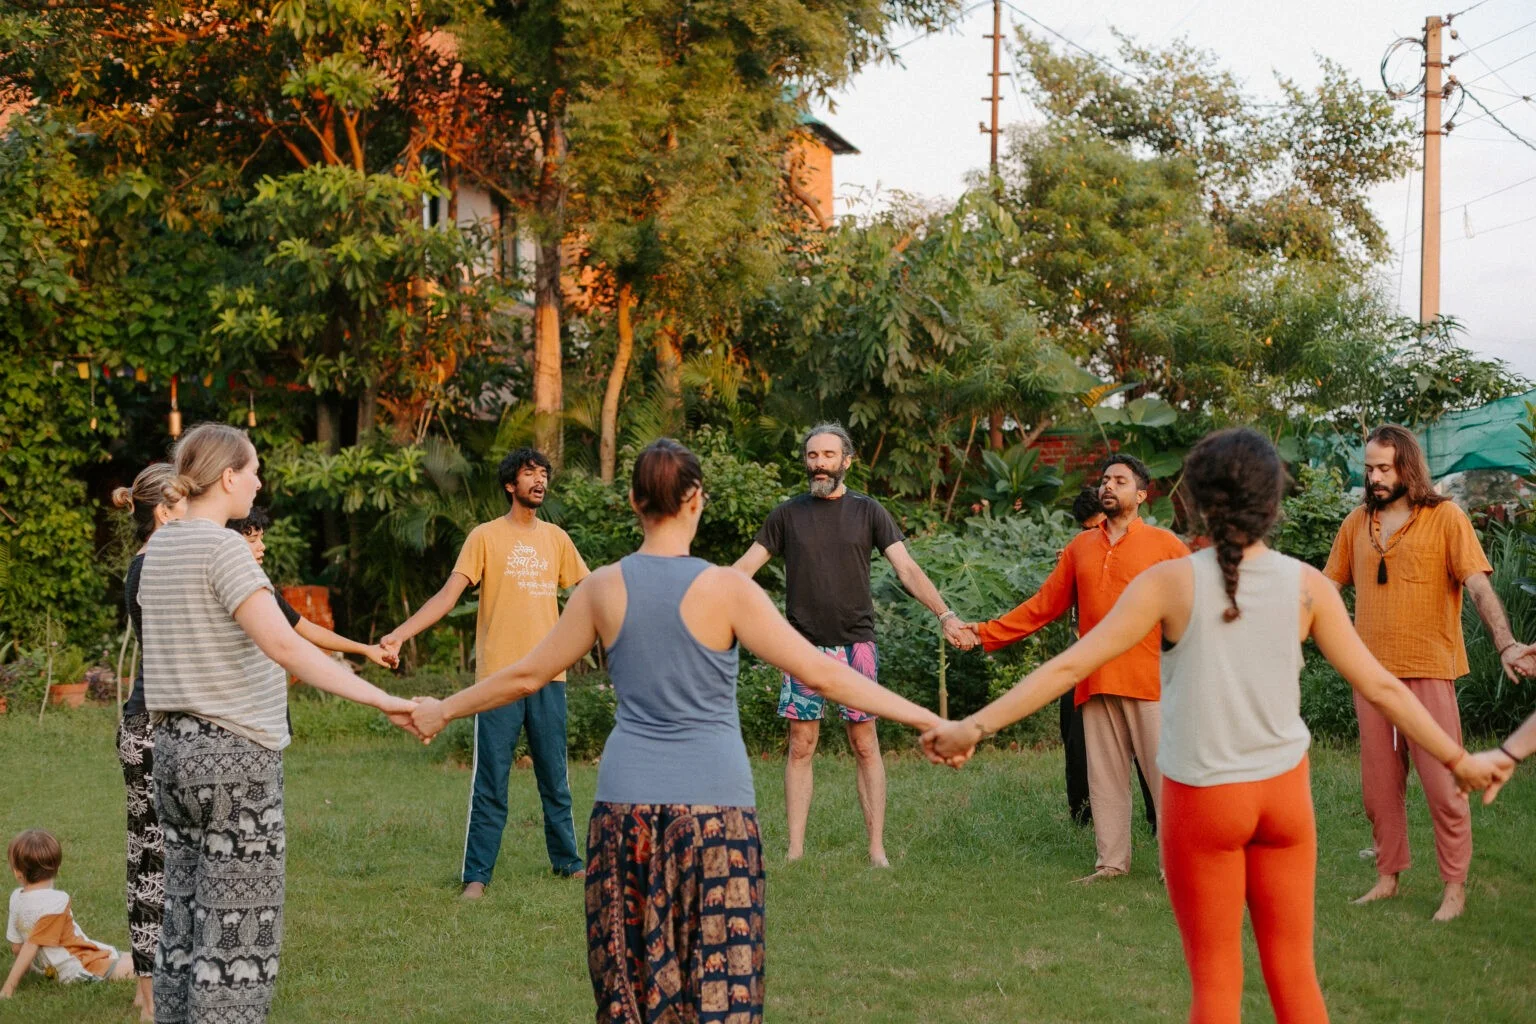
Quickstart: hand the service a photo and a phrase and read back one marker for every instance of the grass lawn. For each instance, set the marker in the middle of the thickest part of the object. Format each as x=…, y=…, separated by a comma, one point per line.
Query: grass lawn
x=974, y=923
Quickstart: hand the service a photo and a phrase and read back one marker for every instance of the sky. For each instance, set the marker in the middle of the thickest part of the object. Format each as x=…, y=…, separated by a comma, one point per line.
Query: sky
x=916, y=125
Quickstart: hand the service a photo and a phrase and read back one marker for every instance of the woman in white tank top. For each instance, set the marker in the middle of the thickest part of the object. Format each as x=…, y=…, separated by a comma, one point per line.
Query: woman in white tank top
x=1236, y=825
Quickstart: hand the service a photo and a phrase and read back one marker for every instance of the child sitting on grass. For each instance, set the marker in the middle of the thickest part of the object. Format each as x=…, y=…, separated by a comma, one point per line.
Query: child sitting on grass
x=40, y=928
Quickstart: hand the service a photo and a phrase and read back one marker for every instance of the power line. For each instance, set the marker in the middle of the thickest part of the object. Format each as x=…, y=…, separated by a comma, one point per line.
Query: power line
x=1402, y=263
x=1501, y=67
x=1496, y=76
x=941, y=28
x=1489, y=195
x=1489, y=231
x=1495, y=119
x=1468, y=10
x=1078, y=46
x=1495, y=39
x=1479, y=117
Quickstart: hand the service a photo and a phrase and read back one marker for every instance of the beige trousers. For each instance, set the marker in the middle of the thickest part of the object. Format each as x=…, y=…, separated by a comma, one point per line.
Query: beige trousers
x=1113, y=729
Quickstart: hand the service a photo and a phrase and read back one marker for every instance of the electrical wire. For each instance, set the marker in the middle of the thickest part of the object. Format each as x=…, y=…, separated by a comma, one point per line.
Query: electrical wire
x=941, y=28
x=1495, y=119
x=1479, y=117
x=1402, y=263
x=1467, y=10
x=1484, y=231
x=1501, y=67
x=1490, y=195
x=1078, y=46
x=1495, y=39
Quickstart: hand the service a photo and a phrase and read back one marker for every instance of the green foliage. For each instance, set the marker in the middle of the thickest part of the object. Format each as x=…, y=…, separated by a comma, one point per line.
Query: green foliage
x=1014, y=480
x=1489, y=702
x=1310, y=517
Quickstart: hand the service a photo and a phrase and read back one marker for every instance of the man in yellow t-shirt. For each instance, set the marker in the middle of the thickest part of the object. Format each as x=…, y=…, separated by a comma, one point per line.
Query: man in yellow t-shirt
x=520, y=564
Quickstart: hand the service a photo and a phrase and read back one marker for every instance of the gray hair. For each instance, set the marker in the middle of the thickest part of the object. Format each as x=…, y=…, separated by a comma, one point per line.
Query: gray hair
x=836, y=430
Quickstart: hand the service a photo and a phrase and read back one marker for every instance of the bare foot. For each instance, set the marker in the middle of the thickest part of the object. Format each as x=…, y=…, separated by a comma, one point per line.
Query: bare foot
x=794, y=854
x=473, y=891
x=578, y=873
x=1452, y=903
x=146, y=1015
x=877, y=859
x=1098, y=876
x=1384, y=889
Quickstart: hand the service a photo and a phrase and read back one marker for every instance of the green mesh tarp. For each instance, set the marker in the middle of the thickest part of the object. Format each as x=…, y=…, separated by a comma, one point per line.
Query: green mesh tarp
x=1488, y=437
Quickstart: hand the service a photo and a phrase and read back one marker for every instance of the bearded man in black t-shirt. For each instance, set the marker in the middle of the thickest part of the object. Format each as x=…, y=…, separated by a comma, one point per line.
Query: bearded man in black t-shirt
x=826, y=537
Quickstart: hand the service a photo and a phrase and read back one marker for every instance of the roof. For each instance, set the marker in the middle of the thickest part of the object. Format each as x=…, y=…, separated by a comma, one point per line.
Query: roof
x=835, y=142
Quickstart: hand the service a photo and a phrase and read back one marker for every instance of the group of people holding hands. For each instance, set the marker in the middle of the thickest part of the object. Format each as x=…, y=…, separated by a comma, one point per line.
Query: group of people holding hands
x=1187, y=668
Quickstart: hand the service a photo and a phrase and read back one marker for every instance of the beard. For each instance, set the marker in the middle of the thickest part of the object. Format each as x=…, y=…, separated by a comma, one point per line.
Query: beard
x=1376, y=503
x=825, y=486
x=1109, y=504
x=532, y=499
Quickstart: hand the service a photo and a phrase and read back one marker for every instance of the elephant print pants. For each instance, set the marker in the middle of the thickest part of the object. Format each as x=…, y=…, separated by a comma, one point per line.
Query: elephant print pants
x=220, y=802
x=146, y=862
x=675, y=914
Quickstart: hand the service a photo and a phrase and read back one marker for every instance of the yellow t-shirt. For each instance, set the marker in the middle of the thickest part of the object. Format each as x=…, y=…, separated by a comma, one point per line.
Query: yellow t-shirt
x=520, y=571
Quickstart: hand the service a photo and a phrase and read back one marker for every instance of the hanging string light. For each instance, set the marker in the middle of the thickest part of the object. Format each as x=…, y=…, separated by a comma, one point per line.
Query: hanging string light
x=175, y=409
x=250, y=411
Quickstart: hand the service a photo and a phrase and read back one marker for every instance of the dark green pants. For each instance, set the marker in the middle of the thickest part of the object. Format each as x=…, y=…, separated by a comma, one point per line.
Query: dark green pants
x=496, y=735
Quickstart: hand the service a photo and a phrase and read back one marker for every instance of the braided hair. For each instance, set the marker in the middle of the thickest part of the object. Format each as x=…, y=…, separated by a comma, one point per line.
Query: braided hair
x=1236, y=480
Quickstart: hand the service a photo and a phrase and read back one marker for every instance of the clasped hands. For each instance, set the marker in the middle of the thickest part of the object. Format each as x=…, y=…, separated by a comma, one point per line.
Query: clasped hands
x=959, y=633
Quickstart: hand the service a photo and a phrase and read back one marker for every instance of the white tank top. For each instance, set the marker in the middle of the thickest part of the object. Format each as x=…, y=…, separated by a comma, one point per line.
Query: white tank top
x=1232, y=690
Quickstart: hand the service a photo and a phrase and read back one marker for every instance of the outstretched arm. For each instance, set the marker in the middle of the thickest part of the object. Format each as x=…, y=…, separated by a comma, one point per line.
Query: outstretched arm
x=1138, y=611
x=921, y=587
x=1342, y=646
x=24, y=957
x=752, y=560
x=328, y=640
x=436, y=606
x=1050, y=602
x=263, y=622
x=763, y=631
x=572, y=637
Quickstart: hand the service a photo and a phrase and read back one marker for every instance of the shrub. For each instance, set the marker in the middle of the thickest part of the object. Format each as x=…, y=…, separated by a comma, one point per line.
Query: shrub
x=1489, y=702
x=1310, y=517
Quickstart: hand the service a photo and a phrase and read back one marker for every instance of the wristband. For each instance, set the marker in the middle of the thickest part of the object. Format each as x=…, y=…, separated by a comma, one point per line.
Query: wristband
x=1512, y=643
x=1506, y=752
x=1453, y=762
x=952, y=614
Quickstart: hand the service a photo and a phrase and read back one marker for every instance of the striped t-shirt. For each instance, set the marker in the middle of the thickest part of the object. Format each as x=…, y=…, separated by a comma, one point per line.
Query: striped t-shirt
x=196, y=574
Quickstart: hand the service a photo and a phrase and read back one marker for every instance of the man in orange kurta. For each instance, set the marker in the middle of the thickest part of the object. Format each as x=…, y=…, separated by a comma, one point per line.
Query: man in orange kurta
x=1119, y=702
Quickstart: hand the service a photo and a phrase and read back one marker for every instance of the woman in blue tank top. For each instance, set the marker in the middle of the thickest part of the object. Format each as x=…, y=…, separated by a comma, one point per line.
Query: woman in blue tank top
x=674, y=862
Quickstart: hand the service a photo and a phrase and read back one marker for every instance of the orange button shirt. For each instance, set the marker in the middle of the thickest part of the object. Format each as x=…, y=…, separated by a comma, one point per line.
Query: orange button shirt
x=1412, y=622
x=1094, y=572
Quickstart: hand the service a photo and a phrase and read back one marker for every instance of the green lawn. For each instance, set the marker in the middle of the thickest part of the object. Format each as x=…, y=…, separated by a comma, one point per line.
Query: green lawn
x=974, y=924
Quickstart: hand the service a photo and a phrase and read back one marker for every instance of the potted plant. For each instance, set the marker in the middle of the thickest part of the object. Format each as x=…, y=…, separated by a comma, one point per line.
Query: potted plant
x=69, y=686
x=101, y=684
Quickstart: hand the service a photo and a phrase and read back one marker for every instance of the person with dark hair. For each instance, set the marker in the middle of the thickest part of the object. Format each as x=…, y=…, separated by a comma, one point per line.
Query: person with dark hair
x=1089, y=513
x=145, y=503
x=1409, y=552
x=1238, y=827
x=253, y=528
x=675, y=878
x=826, y=537
x=1119, y=702
x=520, y=563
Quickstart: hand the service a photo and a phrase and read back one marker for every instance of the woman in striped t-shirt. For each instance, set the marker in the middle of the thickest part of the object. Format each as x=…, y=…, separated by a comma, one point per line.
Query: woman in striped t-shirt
x=217, y=650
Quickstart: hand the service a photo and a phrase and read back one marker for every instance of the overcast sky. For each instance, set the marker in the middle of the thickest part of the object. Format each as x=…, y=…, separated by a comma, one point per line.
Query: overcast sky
x=916, y=125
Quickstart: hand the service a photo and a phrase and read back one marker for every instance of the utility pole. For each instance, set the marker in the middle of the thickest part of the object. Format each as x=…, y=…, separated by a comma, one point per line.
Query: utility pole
x=996, y=416
x=1429, y=249
x=997, y=75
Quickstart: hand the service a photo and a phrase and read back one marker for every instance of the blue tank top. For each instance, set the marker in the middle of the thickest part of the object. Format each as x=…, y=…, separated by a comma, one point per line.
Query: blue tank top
x=676, y=736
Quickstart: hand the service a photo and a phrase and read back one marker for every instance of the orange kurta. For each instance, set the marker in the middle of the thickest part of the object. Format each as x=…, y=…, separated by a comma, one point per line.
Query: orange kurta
x=1093, y=572
x=1411, y=623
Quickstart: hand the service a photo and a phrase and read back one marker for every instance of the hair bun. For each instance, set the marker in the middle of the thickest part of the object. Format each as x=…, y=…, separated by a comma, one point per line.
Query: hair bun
x=178, y=487
x=122, y=497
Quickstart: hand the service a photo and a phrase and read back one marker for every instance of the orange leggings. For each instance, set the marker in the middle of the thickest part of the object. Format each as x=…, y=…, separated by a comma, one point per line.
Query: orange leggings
x=1253, y=842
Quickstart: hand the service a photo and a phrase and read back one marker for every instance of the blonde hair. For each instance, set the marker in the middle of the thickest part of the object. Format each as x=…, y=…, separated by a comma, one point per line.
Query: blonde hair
x=201, y=457
x=146, y=495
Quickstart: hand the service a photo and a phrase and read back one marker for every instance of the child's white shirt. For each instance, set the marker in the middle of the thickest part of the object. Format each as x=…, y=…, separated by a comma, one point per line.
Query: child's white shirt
x=27, y=908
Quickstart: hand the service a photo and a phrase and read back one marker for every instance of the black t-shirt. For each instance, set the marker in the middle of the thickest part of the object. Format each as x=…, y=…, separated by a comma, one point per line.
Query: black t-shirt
x=134, y=705
x=826, y=544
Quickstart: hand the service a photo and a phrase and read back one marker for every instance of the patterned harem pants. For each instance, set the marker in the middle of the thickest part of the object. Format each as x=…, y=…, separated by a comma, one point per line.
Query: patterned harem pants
x=675, y=914
x=146, y=844
x=220, y=801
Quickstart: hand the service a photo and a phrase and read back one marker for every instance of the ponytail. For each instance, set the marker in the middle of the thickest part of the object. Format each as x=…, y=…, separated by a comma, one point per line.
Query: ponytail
x=145, y=496
x=1236, y=479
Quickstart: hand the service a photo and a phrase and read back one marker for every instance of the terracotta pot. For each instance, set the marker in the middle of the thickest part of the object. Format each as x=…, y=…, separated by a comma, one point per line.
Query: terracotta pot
x=69, y=694
x=312, y=602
